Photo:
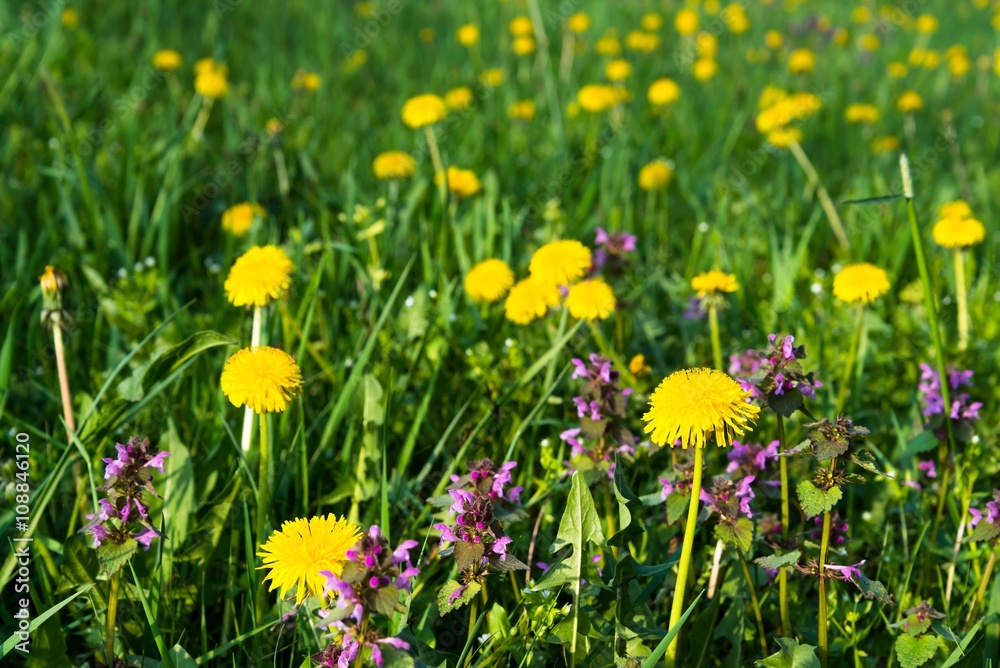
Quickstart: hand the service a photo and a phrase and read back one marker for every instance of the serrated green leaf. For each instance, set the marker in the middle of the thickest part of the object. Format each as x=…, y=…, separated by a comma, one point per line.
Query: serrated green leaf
x=773, y=561
x=444, y=594
x=738, y=534
x=913, y=652
x=866, y=460
x=791, y=655
x=814, y=500
x=113, y=557
x=984, y=531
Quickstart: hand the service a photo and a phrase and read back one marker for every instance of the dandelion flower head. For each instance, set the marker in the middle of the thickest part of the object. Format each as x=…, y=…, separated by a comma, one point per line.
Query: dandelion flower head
x=424, y=110
x=259, y=276
x=591, y=300
x=714, y=282
x=263, y=379
x=488, y=281
x=860, y=283
x=529, y=300
x=560, y=262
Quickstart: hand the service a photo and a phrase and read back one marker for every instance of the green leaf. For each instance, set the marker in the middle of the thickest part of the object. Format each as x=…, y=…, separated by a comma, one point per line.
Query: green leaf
x=444, y=594
x=176, y=356
x=738, y=535
x=791, y=655
x=677, y=505
x=922, y=442
x=774, y=561
x=14, y=639
x=872, y=589
x=880, y=199
x=580, y=523
x=814, y=500
x=984, y=531
x=113, y=557
x=395, y=658
x=661, y=648
x=468, y=554
x=79, y=563
x=913, y=652
x=7, y=355
x=914, y=626
x=960, y=652
x=374, y=412
x=786, y=403
x=866, y=460
x=628, y=505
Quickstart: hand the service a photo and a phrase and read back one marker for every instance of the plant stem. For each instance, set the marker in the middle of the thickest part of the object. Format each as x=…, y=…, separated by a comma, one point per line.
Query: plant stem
x=824, y=197
x=983, y=584
x=852, y=355
x=248, y=412
x=925, y=278
x=755, y=604
x=438, y=165
x=713, y=325
x=550, y=370
x=677, y=609
x=64, y=393
x=823, y=641
x=473, y=611
x=963, y=304
x=263, y=491
x=713, y=578
x=786, y=615
x=198, y=131
x=966, y=502
x=109, y=628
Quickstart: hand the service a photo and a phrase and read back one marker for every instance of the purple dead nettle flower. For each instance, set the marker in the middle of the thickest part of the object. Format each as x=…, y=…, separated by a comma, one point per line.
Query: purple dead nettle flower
x=751, y=458
x=695, y=310
x=369, y=584
x=489, y=480
x=730, y=499
x=611, y=253
x=848, y=573
x=963, y=412
x=992, y=515
x=774, y=376
x=601, y=408
x=122, y=515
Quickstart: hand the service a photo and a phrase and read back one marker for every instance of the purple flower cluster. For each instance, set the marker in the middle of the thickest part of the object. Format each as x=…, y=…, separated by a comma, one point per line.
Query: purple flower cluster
x=751, y=458
x=695, y=310
x=962, y=412
x=611, y=254
x=601, y=409
x=731, y=500
x=122, y=515
x=487, y=479
x=370, y=582
x=774, y=377
x=992, y=515
x=475, y=524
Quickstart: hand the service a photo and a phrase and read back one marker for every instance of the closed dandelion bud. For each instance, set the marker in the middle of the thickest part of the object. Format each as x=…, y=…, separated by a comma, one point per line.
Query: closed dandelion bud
x=53, y=282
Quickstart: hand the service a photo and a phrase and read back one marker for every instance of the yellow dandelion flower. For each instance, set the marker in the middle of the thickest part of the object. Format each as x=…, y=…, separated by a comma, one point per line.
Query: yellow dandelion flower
x=959, y=65
x=393, y=165
x=520, y=26
x=492, y=78
x=264, y=379
x=686, y=22
x=70, y=18
x=468, y=34
x=841, y=37
x=307, y=81
x=909, y=102
x=52, y=282
x=591, y=300
x=651, y=21
x=770, y=96
x=529, y=300
x=861, y=15
x=212, y=83
x=560, y=262
x=860, y=283
x=523, y=110
x=736, y=19
x=203, y=65
x=618, y=70
x=488, y=281
x=424, y=110
x=707, y=45
x=897, y=70
x=693, y=404
x=597, y=98
x=258, y=276
x=578, y=22
x=642, y=42
x=608, y=46
x=704, y=69
x=932, y=59
x=663, y=92
x=884, y=144
x=458, y=98
x=302, y=548
x=957, y=228
x=773, y=39
x=714, y=282
x=238, y=218
x=637, y=366
x=656, y=175
x=461, y=182
x=524, y=46
x=801, y=61
x=784, y=137
x=927, y=24
x=957, y=209
x=861, y=113
x=869, y=42
x=167, y=60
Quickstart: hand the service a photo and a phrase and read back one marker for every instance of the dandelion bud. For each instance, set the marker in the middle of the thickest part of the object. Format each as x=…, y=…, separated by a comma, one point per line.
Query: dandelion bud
x=53, y=282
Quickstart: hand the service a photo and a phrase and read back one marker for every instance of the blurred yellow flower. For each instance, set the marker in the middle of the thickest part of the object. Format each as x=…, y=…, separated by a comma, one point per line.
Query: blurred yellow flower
x=458, y=98
x=860, y=283
x=686, y=21
x=637, y=365
x=773, y=39
x=927, y=24
x=259, y=276
x=663, y=92
x=787, y=110
x=770, y=96
x=529, y=300
x=307, y=81
x=869, y=42
x=897, y=70
x=932, y=59
x=957, y=228
x=841, y=37
x=884, y=144
x=590, y=300
x=861, y=15
x=655, y=175
x=492, y=77
x=704, y=69
x=736, y=19
x=211, y=82
x=578, y=22
x=524, y=46
x=801, y=61
x=916, y=57
x=393, y=165
x=618, y=70
x=861, y=113
x=713, y=282
x=784, y=136
x=70, y=18
x=468, y=34
x=909, y=102
x=520, y=26
x=426, y=35
x=560, y=262
x=609, y=46
x=651, y=21
x=523, y=110
x=597, y=98
x=641, y=42
x=462, y=183
x=238, y=218
x=167, y=60
x=707, y=45
x=424, y=110
x=488, y=281
x=263, y=379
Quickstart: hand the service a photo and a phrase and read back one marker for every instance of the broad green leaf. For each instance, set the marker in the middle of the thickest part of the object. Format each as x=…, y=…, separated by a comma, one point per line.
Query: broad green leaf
x=738, y=534
x=113, y=557
x=922, y=442
x=791, y=655
x=984, y=531
x=446, y=605
x=629, y=527
x=79, y=562
x=774, y=561
x=913, y=652
x=785, y=403
x=374, y=412
x=866, y=460
x=580, y=523
x=677, y=505
x=814, y=500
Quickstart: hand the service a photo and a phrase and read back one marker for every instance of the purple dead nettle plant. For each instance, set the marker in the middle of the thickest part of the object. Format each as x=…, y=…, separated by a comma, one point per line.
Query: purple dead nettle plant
x=367, y=594
x=611, y=252
x=483, y=501
x=601, y=408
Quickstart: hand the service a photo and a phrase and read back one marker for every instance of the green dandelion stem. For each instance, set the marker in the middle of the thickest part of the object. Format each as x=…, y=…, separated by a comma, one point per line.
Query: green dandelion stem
x=786, y=616
x=852, y=355
x=677, y=609
x=713, y=325
x=436, y=158
x=263, y=491
x=983, y=585
x=963, y=304
x=754, y=603
x=248, y=412
x=550, y=370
